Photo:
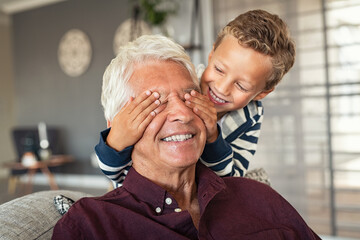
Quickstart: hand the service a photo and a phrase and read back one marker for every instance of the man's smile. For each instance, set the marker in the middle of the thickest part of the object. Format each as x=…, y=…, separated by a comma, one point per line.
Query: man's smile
x=178, y=138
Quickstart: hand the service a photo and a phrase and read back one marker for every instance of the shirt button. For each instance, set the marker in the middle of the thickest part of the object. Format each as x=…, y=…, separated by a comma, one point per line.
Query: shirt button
x=168, y=201
x=158, y=210
x=177, y=209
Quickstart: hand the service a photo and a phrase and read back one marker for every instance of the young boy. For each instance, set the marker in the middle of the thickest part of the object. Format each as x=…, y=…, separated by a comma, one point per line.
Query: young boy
x=249, y=58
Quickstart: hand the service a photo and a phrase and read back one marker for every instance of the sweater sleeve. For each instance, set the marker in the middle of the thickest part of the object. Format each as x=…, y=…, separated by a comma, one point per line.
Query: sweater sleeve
x=236, y=144
x=113, y=164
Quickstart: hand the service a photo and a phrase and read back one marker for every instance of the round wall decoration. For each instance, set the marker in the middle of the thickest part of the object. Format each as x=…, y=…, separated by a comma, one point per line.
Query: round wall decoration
x=74, y=52
x=128, y=31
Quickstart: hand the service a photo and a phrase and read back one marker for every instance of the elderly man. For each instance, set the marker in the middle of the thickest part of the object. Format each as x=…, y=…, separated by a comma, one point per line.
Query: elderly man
x=167, y=193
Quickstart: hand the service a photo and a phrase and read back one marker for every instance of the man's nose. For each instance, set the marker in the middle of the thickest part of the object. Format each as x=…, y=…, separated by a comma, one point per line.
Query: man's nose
x=178, y=111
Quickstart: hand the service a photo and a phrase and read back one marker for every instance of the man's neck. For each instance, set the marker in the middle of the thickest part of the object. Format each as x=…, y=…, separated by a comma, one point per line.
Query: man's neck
x=186, y=197
x=179, y=183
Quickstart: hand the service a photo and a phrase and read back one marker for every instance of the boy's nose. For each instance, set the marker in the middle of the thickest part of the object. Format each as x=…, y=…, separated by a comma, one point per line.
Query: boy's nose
x=178, y=111
x=223, y=87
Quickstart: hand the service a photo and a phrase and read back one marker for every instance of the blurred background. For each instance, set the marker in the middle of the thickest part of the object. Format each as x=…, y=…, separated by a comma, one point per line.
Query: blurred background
x=53, y=54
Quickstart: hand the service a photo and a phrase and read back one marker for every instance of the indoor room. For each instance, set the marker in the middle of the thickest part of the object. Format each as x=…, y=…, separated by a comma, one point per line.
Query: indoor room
x=53, y=55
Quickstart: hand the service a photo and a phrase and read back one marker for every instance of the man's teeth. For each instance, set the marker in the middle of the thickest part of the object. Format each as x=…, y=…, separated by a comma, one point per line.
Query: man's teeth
x=216, y=98
x=178, y=138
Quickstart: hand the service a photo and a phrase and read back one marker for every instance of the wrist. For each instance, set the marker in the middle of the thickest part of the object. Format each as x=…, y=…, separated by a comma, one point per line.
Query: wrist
x=113, y=143
x=213, y=137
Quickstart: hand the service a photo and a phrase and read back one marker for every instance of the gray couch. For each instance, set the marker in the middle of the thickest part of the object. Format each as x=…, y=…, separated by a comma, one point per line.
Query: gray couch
x=32, y=216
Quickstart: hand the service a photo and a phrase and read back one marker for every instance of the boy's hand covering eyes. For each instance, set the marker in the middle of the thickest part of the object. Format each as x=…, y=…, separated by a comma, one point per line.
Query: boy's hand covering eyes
x=205, y=109
x=130, y=123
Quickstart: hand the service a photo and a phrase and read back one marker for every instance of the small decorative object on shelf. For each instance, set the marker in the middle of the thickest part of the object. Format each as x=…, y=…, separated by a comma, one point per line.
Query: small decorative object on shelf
x=28, y=159
x=44, y=151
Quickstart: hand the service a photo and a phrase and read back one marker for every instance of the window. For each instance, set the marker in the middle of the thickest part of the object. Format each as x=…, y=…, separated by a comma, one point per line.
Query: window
x=310, y=138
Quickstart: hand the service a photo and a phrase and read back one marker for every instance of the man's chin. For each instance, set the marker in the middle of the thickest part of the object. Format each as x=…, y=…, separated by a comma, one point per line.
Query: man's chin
x=182, y=158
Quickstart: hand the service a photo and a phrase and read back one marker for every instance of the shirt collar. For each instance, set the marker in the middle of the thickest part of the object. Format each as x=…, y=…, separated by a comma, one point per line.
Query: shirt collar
x=208, y=183
x=144, y=189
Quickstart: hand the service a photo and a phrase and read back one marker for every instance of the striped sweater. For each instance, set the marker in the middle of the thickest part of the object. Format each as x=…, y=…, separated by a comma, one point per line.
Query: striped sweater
x=235, y=147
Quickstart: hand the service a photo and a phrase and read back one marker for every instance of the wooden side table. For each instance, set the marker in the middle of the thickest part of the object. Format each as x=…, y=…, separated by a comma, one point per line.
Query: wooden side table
x=43, y=166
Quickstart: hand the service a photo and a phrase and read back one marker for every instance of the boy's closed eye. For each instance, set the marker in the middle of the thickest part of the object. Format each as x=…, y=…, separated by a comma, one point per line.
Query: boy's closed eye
x=219, y=70
x=241, y=87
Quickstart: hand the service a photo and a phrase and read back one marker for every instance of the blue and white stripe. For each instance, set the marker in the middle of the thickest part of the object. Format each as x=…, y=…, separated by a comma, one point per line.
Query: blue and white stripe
x=240, y=130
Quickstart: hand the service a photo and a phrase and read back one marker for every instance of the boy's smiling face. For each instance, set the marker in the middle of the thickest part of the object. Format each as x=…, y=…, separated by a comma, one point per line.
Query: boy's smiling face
x=235, y=75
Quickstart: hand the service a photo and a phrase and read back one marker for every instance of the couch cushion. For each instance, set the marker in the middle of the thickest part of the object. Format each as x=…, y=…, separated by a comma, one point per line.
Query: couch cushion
x=32, y=216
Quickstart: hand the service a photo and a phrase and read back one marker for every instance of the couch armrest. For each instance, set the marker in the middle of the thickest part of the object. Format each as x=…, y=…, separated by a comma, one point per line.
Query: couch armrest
x=32, y=216
x=258, y=174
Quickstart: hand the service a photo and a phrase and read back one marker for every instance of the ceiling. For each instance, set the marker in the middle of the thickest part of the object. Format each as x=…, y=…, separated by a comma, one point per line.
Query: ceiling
x=15, y=6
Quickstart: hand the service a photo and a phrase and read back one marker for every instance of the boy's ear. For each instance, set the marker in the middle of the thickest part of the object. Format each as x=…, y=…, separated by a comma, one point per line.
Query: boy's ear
x=263, y=94
x=108, y=124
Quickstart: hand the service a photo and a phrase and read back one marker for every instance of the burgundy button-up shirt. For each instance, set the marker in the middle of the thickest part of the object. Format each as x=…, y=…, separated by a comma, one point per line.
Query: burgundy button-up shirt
x=143, y=210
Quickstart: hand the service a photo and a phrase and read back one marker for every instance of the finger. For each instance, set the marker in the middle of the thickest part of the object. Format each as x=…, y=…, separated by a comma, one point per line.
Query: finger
x=150, y=110
x=205, y=112
x=208, y=109
x=146, y=95
x=160, y=108
x=147, y=115
x=208, y=117
x=143, y=125
x=145, y=104
x=196, y=94
x=199, y=99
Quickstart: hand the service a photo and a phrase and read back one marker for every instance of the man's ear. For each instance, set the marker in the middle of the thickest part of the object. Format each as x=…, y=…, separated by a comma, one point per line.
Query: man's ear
x=108, y=124
x=263, y=94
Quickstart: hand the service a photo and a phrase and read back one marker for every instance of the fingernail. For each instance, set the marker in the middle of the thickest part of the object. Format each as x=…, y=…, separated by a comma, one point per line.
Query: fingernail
x=157, y=95
x=193, y=92
x=153, y=113
x=157, y=102
x=187, y=96
x=148, y=92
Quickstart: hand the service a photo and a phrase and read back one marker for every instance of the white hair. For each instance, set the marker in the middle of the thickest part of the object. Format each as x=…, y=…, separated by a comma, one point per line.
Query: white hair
x=116, y=90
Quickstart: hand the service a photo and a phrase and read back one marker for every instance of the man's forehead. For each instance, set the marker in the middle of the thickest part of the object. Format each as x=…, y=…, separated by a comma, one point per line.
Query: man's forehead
x=163, y=77
x=165, y=89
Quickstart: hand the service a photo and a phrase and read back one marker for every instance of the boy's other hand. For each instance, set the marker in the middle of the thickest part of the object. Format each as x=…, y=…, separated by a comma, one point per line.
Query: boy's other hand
x=205, y=109
x=130, y=123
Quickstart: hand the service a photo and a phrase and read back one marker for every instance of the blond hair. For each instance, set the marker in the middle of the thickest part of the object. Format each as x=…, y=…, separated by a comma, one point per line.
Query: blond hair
x=266, y=33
